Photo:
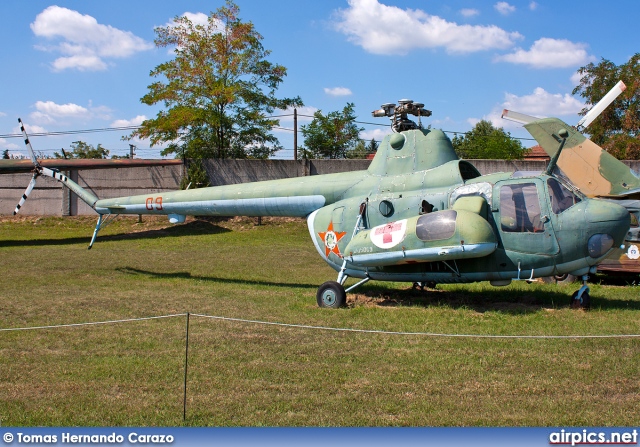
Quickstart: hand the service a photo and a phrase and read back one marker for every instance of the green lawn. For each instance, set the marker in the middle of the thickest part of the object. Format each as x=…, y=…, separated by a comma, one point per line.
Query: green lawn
x=248, y=374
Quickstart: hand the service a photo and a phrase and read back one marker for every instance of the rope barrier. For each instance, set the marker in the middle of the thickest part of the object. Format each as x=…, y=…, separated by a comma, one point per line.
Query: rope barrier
x=328, y=328
x=128, y=320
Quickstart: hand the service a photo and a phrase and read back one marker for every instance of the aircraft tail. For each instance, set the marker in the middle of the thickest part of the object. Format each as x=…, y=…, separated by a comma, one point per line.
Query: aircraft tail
x=585, y=164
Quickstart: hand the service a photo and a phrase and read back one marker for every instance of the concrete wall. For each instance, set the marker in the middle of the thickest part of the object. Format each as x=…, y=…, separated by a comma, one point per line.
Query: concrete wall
x=50, y=198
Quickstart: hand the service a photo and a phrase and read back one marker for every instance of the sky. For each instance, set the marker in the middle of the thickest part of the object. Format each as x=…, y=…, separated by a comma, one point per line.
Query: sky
x=80, y=65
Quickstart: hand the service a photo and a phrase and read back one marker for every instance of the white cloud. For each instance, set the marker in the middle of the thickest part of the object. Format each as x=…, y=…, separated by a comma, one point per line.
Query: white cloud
x=83, y=42
x=375, y=134
x=48, y=112
x=468, y=12
x=338, y=91
x=137, y=121
x=543, y=103
x=383, y=29
x=504, y=8
x=198, y=18
x=533, y=6
x=540, y=104
x=550, y=53
x=4, y=144
x=60, y=110
x=575, y=78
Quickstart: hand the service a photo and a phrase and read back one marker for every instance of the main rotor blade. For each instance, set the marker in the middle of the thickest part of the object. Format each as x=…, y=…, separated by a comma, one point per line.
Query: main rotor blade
x=601, y=105
x=517, y=117
x=32, y=183
x=28, y=144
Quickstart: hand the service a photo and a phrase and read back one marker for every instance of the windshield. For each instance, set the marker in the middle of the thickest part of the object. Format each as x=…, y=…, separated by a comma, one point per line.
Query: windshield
x=560, y=196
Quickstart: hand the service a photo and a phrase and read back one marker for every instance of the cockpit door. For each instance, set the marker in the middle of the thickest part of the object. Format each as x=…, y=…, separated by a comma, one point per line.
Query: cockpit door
x=522, y=217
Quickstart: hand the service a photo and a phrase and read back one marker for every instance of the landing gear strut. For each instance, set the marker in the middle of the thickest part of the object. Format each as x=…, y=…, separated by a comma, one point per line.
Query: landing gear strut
x=580, y=298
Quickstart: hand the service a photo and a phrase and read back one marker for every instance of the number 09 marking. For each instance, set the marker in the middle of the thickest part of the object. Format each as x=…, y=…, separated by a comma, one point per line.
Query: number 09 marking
x=151, y=205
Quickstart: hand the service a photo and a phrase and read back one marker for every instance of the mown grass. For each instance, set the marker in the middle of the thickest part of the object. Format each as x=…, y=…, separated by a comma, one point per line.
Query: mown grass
x=246, y=374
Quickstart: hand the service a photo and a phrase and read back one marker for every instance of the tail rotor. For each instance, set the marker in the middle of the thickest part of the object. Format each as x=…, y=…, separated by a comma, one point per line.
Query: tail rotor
x=32, y=183
x=37, y=169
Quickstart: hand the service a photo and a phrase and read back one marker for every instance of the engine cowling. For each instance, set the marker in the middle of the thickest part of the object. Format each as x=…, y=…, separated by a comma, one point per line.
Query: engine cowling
x=438, y=236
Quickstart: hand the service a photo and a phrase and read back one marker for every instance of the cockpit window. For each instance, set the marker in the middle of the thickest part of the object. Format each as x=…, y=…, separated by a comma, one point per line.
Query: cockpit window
x=520, y=208
x=560, y=196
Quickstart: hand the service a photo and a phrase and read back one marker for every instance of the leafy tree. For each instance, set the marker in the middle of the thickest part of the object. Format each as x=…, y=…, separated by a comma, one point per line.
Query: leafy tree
x=617, y=129
x=5, y=154
x=197, y=176
x=362, y=150
x=487, y=142
x=219, y=90
x=373, y=146
x=332, y=135
x=80, y=149
x=359, y=150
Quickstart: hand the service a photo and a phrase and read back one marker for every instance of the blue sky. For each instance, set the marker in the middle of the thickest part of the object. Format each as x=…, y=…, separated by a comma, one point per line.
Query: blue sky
x=74, y=65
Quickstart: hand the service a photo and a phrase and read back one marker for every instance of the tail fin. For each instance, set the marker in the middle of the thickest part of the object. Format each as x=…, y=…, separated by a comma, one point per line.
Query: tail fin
x=584, y=163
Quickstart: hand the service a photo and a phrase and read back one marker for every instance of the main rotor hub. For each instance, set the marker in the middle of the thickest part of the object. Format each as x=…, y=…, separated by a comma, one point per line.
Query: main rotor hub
x=398, y=114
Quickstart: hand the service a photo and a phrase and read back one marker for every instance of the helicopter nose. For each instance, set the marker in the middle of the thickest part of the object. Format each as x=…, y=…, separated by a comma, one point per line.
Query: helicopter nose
x=609, y=223
x=602, y=211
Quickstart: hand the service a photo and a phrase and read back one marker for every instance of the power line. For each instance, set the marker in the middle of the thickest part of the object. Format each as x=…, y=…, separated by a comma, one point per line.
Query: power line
x=129, y=128
x=70, y=132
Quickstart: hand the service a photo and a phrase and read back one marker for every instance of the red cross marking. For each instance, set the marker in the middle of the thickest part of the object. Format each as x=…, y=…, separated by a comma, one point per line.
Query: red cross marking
x=386, y=231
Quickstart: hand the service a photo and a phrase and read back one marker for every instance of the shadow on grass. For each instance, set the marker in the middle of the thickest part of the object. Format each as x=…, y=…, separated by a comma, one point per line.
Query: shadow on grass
x=508, y=301
x=213, y=279
x=196, y=227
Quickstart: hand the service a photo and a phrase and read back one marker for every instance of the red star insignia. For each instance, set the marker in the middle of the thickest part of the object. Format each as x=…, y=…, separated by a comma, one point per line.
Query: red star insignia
x=330, y=239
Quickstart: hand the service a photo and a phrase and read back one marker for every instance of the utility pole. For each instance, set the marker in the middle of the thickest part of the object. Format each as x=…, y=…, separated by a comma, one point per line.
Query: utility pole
x=295, y=134
x=132, y=151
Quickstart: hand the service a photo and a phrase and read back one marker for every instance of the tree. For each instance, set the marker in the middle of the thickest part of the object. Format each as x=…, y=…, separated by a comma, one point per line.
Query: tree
x=332, y=135
x=487, y=142
x=362, y=150
x=617, y=129
x=373, y=146
x=80, y=149
x=219, y=90
x=5, y=154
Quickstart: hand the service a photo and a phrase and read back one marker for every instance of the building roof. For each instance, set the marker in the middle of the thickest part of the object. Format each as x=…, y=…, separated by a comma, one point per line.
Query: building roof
x=536, y=153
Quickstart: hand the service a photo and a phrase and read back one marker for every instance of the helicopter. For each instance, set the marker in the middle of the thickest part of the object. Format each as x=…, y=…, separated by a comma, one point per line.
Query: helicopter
x=418, y=214
x=596, y=173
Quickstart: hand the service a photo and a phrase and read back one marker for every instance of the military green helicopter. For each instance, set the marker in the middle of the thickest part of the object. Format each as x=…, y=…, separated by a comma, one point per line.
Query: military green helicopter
x=596, y=173
x=418, y=214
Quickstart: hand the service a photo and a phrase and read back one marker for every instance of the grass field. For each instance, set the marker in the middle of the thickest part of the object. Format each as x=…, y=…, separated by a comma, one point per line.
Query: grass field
x=248, y=374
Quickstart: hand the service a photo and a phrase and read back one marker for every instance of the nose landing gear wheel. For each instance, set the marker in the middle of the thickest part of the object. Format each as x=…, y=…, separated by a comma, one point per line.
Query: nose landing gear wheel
x=331, y=294
x=584, y=302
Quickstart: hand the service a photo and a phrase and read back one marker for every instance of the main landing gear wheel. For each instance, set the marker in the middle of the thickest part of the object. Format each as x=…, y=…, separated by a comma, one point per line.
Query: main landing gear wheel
x=567, y=278
x=331, y=294
x=584, y=302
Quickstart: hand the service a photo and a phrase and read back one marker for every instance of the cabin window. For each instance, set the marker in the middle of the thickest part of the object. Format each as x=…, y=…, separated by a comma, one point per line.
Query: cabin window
x=560, y=196
x=436, y=226
x=386, y=208
x=520, y=208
